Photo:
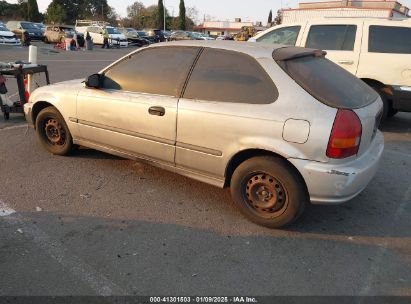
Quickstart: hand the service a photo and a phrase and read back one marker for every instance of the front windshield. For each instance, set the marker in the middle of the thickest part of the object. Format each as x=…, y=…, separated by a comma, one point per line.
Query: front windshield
x=112, y=30
x=142, y=33
x=3, y=28
x=28, y=26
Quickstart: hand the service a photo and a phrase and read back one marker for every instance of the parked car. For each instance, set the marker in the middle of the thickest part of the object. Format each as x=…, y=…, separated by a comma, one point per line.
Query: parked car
x=155, y=35
x=133, y=36
x=19, y=27
x=281, y=126
x=378, y=51
x=225, y=37
x=167, y=35
x=201, y=36
x=183, y=35
x=58, y=33
x=95, y=29
x=7, y=37
x=40, y=26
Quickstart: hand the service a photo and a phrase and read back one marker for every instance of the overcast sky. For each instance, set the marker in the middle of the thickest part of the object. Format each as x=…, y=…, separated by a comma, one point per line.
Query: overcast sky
x=248, y=10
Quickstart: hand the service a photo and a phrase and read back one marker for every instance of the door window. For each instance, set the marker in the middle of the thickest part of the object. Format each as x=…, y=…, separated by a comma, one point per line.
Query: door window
x=161, y=70
x=389, y=39
x=228, y=76
x=285, y=35
x=332, y=37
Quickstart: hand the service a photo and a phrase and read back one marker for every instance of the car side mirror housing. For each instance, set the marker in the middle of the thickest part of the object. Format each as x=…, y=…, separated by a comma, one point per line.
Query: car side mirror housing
x=94, y=81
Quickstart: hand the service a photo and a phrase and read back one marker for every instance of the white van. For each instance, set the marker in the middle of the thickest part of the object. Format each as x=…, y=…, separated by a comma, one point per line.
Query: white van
x=95, y=28
x=378, y=51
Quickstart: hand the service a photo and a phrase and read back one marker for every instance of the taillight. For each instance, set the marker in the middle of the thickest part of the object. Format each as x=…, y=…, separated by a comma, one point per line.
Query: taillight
x=345, y=136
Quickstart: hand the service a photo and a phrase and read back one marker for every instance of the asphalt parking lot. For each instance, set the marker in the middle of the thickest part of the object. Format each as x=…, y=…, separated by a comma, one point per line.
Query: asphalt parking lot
x=96, y=224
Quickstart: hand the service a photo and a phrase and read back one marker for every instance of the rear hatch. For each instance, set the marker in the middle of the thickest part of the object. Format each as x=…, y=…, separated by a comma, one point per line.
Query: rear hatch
x=333, y=86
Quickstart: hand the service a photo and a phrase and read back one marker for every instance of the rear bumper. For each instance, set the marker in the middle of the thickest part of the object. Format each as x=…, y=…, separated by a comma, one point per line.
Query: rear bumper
x=401, y=98
x=335, y=184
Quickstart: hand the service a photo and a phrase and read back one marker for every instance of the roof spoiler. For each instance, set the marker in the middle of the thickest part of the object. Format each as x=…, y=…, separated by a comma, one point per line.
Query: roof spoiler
x=290, y=53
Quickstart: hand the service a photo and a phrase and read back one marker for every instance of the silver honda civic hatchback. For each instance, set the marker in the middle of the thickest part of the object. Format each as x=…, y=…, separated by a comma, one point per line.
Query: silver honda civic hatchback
x=281, y=126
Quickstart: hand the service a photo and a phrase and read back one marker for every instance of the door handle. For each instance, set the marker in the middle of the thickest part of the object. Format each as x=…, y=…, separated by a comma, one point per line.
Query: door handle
x=158, y=111
x=348, y=62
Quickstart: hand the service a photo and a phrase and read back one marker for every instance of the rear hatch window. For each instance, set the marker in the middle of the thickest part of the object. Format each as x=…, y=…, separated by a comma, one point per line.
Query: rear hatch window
x=323, y=79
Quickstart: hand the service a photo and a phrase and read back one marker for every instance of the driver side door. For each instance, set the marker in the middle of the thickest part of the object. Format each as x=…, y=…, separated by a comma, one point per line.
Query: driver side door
x=135, y=111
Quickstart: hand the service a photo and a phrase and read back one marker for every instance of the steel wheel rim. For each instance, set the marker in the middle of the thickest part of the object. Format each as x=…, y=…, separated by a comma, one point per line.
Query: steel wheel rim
x=54, y=131
x=265, y=195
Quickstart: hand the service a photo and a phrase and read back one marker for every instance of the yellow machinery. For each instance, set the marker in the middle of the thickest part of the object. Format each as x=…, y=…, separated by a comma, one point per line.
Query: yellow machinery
x=246, y=33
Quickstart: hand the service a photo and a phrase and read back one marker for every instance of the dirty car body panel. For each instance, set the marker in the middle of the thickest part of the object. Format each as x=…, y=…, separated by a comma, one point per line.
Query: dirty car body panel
x=164, y=118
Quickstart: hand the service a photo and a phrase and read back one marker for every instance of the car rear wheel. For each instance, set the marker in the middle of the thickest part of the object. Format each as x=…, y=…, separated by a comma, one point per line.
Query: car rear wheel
x=53, y=132
x=268, y=191
x=387, y=111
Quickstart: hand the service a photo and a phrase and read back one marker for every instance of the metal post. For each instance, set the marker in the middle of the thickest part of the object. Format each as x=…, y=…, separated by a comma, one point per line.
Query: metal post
x=32, y=60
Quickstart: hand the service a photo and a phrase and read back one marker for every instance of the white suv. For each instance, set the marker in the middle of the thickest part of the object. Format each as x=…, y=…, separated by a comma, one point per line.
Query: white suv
x=96, y=28
x=378, y=51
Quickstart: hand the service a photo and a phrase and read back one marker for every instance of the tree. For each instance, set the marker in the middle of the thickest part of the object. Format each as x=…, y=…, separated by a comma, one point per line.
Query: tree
x=160, y=16
x=10, y=11
x=85, y=9
x=55, y=13
x=33, y=10
x=30, y=10
x=279, y=18
x=192, y=13
x=182, y=16
x=270, y=18
x=135, y=9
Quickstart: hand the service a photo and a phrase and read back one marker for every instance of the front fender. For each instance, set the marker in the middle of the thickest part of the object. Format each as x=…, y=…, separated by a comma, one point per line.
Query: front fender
x=64, y=100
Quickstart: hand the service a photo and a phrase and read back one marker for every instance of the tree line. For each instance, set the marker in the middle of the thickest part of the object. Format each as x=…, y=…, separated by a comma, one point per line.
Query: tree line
x=68, y=11
x=26, y=10
x=140, y=16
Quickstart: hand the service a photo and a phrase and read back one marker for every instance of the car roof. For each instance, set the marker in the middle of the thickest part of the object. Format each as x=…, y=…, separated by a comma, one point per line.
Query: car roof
x=257, y=50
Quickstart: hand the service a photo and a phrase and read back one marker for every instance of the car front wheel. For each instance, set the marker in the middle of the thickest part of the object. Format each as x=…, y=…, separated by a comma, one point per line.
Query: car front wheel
x=269, y=191
x=53, y=132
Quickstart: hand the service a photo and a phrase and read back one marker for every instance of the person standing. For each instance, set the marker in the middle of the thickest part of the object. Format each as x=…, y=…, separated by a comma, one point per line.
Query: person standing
x=105, y=38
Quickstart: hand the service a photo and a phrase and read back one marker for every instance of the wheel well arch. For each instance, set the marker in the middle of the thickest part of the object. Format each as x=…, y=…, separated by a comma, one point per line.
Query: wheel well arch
x=373, y=83
x=37, y=107
x=383, y=89
x=244, y=155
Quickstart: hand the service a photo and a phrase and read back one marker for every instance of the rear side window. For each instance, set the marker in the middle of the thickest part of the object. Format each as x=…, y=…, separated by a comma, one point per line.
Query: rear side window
x=228, y=76
x=332, y=37
x=329, y=83
x=161, y=70
x=389, y=39
x=285, y=35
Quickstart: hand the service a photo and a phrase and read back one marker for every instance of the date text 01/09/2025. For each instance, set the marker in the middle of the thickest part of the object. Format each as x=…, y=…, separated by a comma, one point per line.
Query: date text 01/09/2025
x=201, y=299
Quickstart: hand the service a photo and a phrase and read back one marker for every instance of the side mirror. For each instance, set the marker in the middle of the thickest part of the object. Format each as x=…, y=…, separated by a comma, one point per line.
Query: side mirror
x=93, y=81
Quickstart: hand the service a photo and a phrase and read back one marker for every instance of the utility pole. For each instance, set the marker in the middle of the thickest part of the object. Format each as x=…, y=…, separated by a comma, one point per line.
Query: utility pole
x=164, y=15
x=102, y=12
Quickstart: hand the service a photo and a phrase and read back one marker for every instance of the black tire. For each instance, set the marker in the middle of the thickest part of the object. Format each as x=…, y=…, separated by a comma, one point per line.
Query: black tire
x=53, y=132
x=386, y=104
x=268, y=191
x=46, y=40
x=392, y=112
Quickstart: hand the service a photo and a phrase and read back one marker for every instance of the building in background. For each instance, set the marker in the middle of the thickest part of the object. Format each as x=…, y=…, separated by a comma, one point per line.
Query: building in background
x=222, y=28
x=345, y=8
